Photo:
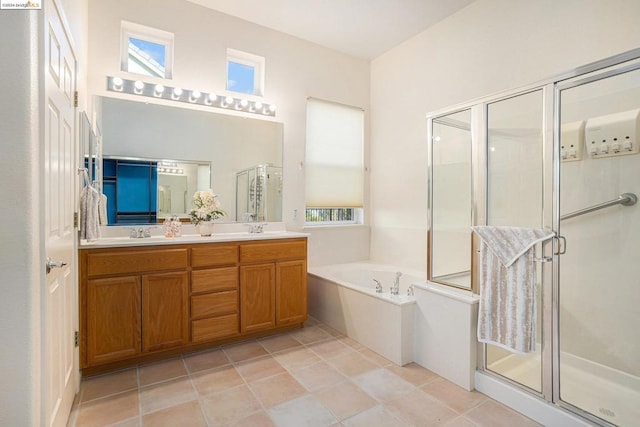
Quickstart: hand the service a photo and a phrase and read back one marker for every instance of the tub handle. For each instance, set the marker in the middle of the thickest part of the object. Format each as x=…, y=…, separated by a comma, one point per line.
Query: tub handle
x=378, y=286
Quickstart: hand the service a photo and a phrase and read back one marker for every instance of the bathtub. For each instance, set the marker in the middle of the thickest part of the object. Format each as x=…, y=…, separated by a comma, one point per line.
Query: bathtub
x=344, y=297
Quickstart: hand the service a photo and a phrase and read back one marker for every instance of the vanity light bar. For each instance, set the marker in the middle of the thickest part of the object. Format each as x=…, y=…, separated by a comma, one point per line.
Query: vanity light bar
x=193, y=96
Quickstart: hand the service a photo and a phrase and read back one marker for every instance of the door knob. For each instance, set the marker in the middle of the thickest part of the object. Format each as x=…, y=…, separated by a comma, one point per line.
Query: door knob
x=54, y=264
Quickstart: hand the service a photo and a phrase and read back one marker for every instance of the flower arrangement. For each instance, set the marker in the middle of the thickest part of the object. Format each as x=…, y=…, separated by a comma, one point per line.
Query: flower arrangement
x=207, y=207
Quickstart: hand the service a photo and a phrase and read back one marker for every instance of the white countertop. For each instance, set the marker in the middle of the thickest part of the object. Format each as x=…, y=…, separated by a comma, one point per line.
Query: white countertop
x=116, y=236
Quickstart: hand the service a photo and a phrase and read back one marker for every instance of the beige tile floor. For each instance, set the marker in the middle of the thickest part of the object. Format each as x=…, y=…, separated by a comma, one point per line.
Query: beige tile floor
x=311, y=377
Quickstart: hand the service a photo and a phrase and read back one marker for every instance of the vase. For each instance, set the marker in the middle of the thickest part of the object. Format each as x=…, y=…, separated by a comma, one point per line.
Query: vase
x=205, y=228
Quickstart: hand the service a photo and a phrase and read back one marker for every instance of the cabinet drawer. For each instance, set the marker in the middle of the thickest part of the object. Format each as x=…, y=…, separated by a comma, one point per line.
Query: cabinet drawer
x=214, y=280
x=212, y=255
x=273, y=251
x=214, y=304
x=214, y=328
x=122, y=262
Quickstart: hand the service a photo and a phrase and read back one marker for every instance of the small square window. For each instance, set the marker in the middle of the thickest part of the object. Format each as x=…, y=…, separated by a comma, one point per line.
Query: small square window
x=146, y=50
x=245, y=72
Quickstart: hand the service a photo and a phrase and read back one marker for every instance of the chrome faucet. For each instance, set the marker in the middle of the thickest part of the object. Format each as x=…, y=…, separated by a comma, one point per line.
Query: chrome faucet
x=395, y=289
x=256, y=228
x=410, y=291
x=139, y=233
x=378, y=286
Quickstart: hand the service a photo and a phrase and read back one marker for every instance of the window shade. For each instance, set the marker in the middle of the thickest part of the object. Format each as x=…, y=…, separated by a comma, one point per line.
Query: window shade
x=334, y=155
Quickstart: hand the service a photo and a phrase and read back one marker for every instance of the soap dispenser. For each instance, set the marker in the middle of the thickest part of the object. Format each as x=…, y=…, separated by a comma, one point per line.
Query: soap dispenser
x=167, y=227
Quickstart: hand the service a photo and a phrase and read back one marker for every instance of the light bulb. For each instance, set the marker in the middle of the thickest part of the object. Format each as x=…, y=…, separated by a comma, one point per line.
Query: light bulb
x=244, y=103
x=272, y=108
x=177, y=92
x=158, y=90
x=117, y=83
x=257, y=105
x=138, y=86
x=195, y=95
x=228, y=100
x=211, y=97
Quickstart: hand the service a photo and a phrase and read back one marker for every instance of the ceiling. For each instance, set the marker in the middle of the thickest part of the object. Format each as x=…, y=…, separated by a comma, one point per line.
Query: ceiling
x=361, y=28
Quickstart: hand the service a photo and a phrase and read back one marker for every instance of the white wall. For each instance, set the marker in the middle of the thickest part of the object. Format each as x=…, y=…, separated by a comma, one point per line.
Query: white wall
x=488, y=47
x=295, y=70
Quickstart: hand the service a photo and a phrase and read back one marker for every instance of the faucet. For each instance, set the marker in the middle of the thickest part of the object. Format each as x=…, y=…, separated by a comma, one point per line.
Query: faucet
x=256, y=228
x=378, y=286
x=395, y=289
x=410, y=291
x=139, y=233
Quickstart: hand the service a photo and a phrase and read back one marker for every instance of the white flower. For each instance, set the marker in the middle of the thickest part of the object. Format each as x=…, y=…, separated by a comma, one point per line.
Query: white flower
x=207, y=207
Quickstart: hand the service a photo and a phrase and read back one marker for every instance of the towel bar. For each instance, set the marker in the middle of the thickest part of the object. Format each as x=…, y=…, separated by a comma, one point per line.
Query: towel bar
x=625, y=199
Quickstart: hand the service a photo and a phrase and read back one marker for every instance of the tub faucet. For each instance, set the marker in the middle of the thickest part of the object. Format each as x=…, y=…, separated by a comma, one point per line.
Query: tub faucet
x=395, y=289
x=410, y=291
x=378, y=286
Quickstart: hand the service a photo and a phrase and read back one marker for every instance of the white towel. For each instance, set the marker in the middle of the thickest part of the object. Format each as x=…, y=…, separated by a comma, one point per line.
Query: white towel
x=89, y=213
x=102, y=211
x=507, y=311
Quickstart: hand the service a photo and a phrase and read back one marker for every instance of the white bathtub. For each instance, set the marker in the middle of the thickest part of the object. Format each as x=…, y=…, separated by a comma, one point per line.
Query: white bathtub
x=343, y=296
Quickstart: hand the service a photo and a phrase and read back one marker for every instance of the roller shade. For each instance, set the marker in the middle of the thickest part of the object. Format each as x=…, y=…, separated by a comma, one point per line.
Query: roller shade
x=334, y=155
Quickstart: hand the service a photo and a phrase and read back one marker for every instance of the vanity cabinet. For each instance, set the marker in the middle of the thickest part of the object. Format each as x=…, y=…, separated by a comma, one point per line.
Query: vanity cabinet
x=148, y=302
x=127, y=293
x=215, y=297
x=273, y=281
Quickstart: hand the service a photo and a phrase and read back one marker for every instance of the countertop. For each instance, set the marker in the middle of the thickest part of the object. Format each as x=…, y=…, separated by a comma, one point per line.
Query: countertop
x=116, y=236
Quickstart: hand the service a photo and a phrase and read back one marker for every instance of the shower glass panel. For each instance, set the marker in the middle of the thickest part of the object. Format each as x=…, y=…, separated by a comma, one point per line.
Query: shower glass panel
x=514, y=198
x=451, y=200
x=599, y=289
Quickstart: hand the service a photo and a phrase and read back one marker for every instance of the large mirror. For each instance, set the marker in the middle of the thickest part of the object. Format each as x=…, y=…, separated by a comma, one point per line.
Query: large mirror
x=157, y=156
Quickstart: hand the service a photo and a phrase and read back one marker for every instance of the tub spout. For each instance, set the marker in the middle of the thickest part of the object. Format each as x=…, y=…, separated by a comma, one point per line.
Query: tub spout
x=378, y=286
x=395, y=289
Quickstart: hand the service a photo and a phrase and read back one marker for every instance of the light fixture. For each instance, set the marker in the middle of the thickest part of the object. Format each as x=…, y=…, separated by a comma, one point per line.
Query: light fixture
x=191, y=96
x=138, y=86
x=195, y=95
x=116, y=83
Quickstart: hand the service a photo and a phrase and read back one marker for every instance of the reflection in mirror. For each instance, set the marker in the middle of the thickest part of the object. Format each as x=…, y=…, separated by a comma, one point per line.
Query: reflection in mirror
x=451, y=199
x=226, y=144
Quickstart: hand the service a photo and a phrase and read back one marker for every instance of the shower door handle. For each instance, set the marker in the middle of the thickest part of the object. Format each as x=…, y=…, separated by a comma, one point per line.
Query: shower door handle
x=563, y=246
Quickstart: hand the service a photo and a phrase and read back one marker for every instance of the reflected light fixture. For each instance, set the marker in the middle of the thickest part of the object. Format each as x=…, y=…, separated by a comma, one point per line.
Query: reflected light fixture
x=210, y=99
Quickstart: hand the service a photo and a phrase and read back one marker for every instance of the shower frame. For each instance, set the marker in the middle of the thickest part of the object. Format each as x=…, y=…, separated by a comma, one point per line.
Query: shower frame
x=551, y=250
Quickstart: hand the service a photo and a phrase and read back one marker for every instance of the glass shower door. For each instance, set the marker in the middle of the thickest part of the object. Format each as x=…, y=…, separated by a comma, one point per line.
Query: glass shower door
x=515, y=183
x=599, y=285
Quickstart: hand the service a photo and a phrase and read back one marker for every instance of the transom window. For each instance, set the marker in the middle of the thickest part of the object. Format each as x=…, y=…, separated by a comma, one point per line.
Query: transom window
x=245, y=72
x=145, y=50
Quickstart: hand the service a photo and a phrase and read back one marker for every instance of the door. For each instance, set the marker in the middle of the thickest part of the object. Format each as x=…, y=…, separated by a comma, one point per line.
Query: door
x=59, y=366
x=257, y=297
x=165, y=310
x=517, y=186
x=598, y=351
x=291, y=292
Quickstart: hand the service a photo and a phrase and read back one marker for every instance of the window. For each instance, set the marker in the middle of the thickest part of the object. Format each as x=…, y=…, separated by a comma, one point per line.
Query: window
x=334, y=180
x=245, y=72
x=146, y=50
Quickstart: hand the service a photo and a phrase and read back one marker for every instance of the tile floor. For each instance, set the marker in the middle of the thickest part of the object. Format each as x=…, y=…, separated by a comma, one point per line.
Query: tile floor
x=310, y=377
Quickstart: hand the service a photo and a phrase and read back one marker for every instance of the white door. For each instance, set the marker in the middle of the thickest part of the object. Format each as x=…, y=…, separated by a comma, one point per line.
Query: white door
x=59, y=297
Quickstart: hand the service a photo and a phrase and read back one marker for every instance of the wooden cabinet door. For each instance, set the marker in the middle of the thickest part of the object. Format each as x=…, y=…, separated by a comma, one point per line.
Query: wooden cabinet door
x=113, y=319
x=165, y=311
x=257, y=297
x=291, y=292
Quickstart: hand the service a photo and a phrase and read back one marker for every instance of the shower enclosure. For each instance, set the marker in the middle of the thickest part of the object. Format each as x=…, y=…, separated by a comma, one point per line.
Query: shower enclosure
x=259, y=194
x=563, y=155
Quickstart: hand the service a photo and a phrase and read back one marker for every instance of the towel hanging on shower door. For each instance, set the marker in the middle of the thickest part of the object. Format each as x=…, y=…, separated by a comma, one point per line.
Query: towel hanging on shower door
x=507, y=311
